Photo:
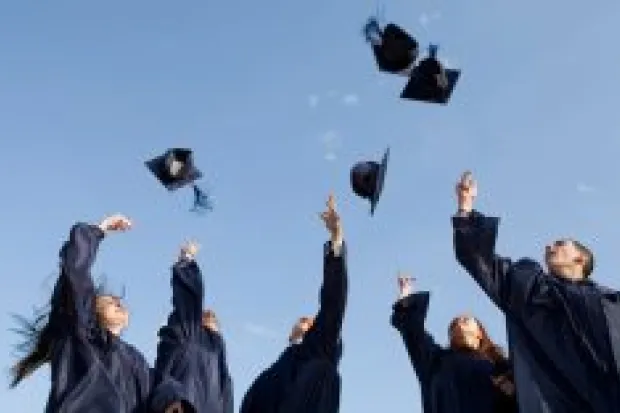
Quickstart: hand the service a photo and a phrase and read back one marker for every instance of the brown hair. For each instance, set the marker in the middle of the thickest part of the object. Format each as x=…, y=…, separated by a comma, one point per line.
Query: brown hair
x=588, y=264
x=296, y=331
x=488, y=349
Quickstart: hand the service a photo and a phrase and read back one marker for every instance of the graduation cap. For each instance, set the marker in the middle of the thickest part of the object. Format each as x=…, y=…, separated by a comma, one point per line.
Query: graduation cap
x=394, y=49
x=430, y=82
x=367, y=179
x=175, y=169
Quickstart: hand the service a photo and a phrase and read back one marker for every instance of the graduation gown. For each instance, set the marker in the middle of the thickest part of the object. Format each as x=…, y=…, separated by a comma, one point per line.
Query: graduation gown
x=92, y=371
x=451, y=381
x=305, y=377
x=564, y=336
x=191, y=363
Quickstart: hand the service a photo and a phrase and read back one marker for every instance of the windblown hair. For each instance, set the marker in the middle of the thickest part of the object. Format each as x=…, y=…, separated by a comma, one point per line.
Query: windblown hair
x=39, y=333
x=36, y=347
x=488, y=349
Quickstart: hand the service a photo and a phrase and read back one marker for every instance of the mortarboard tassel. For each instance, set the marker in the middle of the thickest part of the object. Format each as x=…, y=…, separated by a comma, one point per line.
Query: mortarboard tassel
x=432, y=51
x=202, y=201
x=441, y=77
x=372, y=31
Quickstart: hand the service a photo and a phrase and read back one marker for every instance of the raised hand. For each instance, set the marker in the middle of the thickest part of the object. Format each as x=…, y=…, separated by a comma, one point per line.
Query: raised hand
x=332, y=220
x=189, y=250
x=466, y=192
x=405, y=285
x=115, y=223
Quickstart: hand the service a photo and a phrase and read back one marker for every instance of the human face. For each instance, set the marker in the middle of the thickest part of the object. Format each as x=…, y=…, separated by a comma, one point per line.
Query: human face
x=111, y=313
x=465, y=332
x=564, y=259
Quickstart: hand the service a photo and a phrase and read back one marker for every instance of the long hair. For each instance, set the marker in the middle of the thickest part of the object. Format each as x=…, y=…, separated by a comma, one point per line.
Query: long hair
x=39, y=334
x=36, y=347
x=488, y=349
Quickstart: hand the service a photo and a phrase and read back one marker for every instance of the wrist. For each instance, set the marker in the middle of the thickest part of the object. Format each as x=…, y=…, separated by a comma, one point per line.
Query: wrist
x=465, y=209
x=184, y=256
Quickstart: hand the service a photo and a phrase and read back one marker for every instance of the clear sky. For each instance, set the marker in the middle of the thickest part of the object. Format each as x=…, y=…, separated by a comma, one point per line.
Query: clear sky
x=278, y=100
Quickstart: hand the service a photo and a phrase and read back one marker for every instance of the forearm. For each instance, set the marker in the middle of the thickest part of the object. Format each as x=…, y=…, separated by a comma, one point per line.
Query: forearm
x=187, y=291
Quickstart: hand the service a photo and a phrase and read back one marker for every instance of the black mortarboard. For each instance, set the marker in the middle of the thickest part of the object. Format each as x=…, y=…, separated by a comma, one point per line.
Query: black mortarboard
x=175, y=169
x=394, y=49
x=430, y=82
x=367, y=179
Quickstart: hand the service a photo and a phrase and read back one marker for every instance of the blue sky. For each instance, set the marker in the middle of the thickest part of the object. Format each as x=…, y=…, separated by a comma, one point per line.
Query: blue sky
x=89, y=91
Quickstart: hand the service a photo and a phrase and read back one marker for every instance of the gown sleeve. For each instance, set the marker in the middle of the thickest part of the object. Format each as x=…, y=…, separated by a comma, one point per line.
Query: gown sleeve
x=187, y=296
x=75, y=368
x=511, y=286
x=323, y=338
x=225, y=379
x=184, y=324
x=73, y=299
x=408, y=317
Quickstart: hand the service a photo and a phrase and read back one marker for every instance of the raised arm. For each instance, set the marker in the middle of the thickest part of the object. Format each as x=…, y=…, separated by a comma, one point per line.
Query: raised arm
x=510, y=285
x=323, y=338
x=408, y=317
x=74, y=293
x=225, y=378
x=187, y=294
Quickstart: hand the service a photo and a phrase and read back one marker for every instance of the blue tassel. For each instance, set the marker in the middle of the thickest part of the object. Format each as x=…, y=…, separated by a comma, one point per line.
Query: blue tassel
x=432, y=51
x=202, y=201
x=372, y=31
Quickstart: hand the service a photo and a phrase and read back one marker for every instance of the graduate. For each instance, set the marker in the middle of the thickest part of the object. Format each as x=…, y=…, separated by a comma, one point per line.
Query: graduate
x=471, y=375
x=191, y=370
x=563, y=328
x=92, y=368
x=305, y=378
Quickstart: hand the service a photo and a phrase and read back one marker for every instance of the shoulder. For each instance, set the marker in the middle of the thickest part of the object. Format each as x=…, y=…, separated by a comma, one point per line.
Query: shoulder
x=607, y=292
x=133, y=354
x=527, y=266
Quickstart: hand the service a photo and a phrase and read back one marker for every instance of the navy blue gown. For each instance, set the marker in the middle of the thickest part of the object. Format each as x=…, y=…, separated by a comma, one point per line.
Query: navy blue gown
x=451, y=381
x=305, y=378
x=191, y=365
x=564, y=336
x=92, y=370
